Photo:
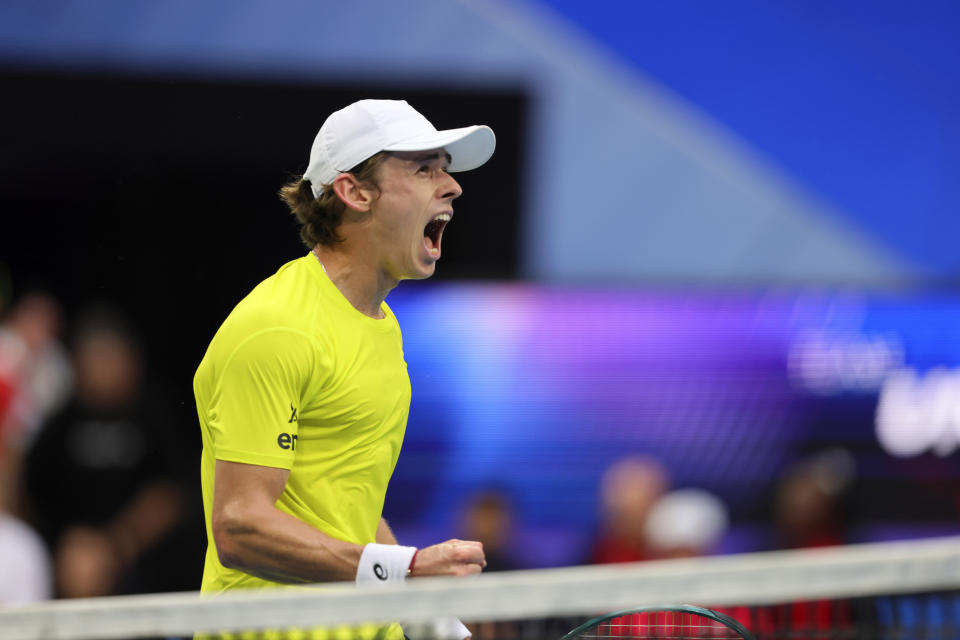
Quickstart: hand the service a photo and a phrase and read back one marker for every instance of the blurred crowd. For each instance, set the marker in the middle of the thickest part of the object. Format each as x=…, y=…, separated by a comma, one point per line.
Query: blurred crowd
x=96, y=463
x=642, y=516
x=98, y=494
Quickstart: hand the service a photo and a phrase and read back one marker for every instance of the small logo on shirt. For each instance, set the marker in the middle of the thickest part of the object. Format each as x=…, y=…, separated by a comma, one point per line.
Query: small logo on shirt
x=380, y=571
x=293, y=416
x=287, y=441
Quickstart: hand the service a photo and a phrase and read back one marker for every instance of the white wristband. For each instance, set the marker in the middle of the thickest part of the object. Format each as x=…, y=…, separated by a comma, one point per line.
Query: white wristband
x=383, y=563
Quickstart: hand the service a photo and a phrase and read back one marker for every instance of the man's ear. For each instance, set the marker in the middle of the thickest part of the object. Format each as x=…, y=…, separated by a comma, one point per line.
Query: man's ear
x=352, y=193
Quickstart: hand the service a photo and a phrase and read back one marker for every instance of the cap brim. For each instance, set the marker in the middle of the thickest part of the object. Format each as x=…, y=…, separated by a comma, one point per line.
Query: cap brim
x=469, y=147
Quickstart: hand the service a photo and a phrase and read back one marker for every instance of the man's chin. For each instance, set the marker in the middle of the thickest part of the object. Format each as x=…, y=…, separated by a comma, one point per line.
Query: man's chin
x=424, y=275
x=424, y=271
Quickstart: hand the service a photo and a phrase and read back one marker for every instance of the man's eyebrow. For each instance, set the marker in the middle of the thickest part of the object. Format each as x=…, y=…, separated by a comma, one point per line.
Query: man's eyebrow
x=432, y=156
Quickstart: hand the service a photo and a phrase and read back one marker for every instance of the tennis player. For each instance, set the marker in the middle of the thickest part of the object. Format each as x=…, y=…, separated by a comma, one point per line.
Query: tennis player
x=303, y=393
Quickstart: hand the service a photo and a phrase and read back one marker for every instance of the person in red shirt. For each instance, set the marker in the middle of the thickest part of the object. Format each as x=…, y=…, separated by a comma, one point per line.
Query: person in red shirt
x=630, y=487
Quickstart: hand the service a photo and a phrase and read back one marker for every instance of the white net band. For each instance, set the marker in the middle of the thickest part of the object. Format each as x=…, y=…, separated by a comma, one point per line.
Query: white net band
x=749, y=579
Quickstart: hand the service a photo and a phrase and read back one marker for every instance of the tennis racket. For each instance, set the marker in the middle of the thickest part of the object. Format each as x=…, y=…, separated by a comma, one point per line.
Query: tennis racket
x=664, y=622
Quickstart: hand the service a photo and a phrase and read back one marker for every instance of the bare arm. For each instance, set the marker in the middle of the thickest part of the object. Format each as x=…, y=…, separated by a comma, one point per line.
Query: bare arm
x=252, y=535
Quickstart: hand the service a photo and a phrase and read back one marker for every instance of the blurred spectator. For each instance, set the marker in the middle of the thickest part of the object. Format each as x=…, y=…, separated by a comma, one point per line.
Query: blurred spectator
x=26, y=575
x=35, y=380
x=33, y=362
x=809, y=505
x=488, y=517
x=685, y=523
x=104, y=476
x=26, y=339
x=629, y=489
x=810, y=511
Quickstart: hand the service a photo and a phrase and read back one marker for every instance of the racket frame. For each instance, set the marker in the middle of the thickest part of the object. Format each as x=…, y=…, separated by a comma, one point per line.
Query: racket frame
x=716, y=616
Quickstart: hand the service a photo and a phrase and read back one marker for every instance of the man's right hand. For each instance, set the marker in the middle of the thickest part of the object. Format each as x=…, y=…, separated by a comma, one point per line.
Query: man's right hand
x=450, y=558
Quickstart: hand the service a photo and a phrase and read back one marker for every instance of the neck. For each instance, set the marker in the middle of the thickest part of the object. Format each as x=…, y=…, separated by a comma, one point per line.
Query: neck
x=364, y=286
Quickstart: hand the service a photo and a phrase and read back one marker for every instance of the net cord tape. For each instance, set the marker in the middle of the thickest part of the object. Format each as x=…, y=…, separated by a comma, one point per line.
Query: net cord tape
x=745, y=579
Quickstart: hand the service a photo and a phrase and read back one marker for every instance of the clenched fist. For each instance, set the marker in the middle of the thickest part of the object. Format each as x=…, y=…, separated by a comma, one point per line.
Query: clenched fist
x=450, y=558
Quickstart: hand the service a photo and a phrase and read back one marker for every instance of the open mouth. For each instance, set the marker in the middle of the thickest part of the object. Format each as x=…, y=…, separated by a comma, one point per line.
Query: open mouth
x=434, y=231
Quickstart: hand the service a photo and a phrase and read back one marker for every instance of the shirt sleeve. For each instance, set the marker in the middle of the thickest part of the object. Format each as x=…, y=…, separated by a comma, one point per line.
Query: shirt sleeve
x=254, y=413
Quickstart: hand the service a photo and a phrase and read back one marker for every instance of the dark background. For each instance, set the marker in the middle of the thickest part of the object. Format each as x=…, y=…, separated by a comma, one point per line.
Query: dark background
x=159, y=193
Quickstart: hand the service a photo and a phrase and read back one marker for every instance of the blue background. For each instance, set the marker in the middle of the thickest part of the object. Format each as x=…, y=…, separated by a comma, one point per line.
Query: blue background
x=535, y=391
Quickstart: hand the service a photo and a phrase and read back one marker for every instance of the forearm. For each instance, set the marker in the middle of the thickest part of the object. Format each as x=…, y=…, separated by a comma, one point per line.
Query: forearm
x=276, y=546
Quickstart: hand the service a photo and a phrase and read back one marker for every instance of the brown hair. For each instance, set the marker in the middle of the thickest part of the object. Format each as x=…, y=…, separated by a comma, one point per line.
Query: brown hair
x=320, y=217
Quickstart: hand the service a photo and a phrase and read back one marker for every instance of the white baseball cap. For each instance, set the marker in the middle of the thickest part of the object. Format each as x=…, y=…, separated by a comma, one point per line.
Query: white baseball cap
x=363, y=129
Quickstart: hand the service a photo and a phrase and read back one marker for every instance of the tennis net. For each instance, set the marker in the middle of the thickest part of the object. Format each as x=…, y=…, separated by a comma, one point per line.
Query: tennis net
x=901, y=590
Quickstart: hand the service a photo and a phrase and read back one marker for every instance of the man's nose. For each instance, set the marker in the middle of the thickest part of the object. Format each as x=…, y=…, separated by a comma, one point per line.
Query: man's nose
x=450, y=188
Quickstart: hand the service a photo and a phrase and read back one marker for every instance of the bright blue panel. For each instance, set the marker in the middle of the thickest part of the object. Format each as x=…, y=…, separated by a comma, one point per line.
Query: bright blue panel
x=859, y=100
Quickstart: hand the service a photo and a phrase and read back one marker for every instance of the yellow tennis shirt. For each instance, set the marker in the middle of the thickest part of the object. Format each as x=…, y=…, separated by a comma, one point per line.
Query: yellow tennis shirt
x=296, y=378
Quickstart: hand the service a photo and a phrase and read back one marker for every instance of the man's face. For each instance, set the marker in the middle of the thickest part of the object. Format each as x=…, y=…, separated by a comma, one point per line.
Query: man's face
x=414, y=206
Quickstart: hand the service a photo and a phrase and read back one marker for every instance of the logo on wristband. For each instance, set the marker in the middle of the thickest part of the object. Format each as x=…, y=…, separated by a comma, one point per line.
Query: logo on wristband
x=380, y=571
